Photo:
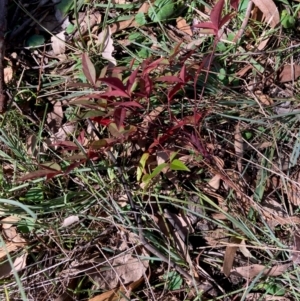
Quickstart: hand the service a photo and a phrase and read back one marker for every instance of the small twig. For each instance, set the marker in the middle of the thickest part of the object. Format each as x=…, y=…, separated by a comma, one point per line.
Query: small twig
x=137, y=216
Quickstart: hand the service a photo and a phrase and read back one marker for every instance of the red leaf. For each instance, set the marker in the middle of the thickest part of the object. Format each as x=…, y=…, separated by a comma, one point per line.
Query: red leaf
x=183, y=75
x=131, y=80
x=235, y=4
x=194, y=119
x=115, y=93
x=209, y=25
x=153, y=65
x=81, y=137
x=92, y=155
x=127, y=104
x=216, y=14
x=119, y=116
x=225, y=20
x=102, y=121
x=169, y=79
x=148, y=85
x=114, y=82
x=173, y=91
x=88, y=69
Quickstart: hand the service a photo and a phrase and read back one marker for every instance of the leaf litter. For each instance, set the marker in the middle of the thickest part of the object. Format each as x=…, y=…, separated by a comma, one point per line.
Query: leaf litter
x=233, y=197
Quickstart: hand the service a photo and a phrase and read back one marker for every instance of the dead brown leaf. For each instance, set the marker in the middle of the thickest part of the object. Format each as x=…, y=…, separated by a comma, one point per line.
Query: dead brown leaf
x=215, y=182
x=289, y=73
x=87, y=21
x=10, y=231
x=260, y=296
x=250, y=271
x=296, y=249
x=55, y=118
x=263, y=98
x=63, y=132
x=8, y=74
x=58, y=43
x=182, y=25
x=271, y=17
x=120, y=25
x=229, y=255
x=115, y=294
x=122, y=270
x=269, y=10
x=19, y=263
x=238, y=147
x=107, y=47
x=244, y=250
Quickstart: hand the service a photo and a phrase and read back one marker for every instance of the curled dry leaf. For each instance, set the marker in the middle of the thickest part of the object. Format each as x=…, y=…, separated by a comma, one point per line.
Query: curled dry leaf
x=107, y=46
x=58, y=43
x=70, y=220
x=244, y=250
x=251, y=271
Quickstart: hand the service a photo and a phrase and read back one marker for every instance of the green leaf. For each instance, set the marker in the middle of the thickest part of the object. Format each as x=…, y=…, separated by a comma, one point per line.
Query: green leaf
x=65, y=6
x=174, y=280
x=144, y=53
x=26, y=225
x=34, y=194
x=161, y=13
x=70, y=28
x=35, y=40
x=287, y=20
x=247, y=135
x=178, y=165
x=140, y=19
x=141, y=165
x=147, y=178
x=173, y=155
x=158, y=169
